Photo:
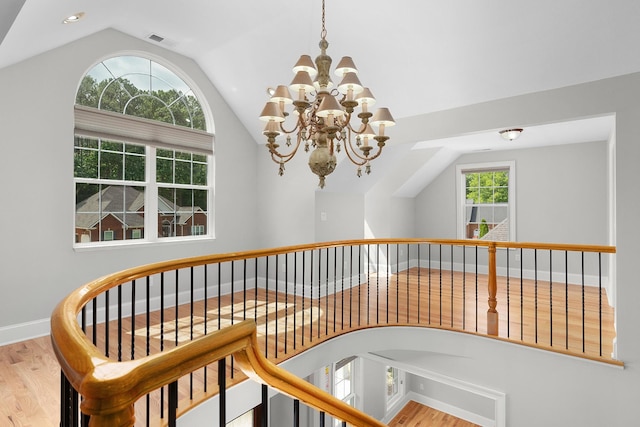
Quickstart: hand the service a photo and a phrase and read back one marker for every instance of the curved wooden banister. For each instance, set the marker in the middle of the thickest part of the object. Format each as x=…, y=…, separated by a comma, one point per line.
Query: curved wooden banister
x=111, y=388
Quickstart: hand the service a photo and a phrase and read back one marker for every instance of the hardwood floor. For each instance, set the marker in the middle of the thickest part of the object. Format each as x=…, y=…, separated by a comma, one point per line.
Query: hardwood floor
x=29, y=385
x=416, y=415
x=537, y=312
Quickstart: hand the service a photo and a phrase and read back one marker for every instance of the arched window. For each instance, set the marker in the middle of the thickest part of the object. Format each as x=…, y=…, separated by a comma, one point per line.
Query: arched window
x=141, y=147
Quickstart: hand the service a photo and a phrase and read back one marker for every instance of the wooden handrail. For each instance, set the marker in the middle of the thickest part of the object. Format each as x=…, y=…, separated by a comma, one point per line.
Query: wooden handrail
x=110, y=388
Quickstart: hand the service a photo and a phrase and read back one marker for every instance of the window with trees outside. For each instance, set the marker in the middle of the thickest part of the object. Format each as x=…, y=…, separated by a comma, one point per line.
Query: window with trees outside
x=394, y=383
x=344, y=382
x=142, y=155
x=487, y=201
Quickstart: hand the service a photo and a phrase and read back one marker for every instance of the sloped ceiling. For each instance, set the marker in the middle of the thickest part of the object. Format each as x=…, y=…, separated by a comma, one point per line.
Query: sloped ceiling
x=417, y=56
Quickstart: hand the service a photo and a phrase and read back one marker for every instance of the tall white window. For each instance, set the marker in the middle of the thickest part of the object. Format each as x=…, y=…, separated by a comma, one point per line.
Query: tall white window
x=344, y=387
x=486, y=207
x=395, y=385
x=142, y=156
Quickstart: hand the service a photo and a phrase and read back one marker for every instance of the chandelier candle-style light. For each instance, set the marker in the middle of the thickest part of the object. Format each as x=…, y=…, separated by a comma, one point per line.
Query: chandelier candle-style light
x=323, y=115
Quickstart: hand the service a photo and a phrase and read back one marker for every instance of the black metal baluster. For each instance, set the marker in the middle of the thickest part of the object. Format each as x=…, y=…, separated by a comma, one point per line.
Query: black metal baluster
x=295, y=298
x=359, y=281
x=550, y=298
x=222, y=391
x=161, y=337
x=177, y=308
x=368, y=283
x=398, y=283
x=464, y=287
x=219, y=296
x=419, y=285
x=133, y=320
x=68, y=405
x=322, y=418
x=377, y=284
x=106, y=322
x=350, y=285
x=84, y=419
x=535, y=299
x=244, y=289
x=326, y=296
x=335, y=280
x=476, y=288
x=233, y=291
x=342, y=292
x=600, y=300
x=266, y=308
x=508, y=297
x=428, y=283
x=296, y=413
x=566, y=300
x=119, y=334
x=173, y=404
x=191, y=325
x=265, y=406
x=286, y=301
x=255, y=293
x=583, y=337
x=521, y=294
x=148, y=342
x=94, y=319
x=304, y=278
x=451, y=294
x=388, y=267
x=205, y=314
x=320, y=288
x=311, y=298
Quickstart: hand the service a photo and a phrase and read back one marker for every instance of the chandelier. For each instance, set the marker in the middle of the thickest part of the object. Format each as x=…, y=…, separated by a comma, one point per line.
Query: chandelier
x=322, y=115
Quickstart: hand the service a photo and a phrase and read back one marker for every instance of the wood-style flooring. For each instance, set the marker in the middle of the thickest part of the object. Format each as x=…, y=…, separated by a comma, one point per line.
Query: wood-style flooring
x=29, y=385
x=551, y=316
x=416, y=415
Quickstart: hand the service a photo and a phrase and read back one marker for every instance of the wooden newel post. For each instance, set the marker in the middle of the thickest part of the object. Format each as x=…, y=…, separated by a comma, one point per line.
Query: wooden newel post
x=492, y=313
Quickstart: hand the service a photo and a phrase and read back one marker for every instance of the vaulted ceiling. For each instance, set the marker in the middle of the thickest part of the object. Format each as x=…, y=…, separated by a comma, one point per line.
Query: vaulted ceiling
x=417, y=56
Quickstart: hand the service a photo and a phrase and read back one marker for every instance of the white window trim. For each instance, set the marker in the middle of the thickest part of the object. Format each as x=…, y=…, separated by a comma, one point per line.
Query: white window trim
x=89, y=121
x=461, y=193
x=393, y=400
x=151, y=185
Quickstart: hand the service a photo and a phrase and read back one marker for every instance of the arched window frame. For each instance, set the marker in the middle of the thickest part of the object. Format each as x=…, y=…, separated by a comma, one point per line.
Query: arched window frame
x=156, y=139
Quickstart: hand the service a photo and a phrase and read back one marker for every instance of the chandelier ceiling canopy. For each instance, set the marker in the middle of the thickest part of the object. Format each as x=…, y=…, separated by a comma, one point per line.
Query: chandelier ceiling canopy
x=321, y=115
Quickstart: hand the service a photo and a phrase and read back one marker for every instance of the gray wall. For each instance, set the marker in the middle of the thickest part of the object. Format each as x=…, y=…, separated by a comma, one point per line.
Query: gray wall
x=450, y=395
x=561, y=195
x=38, y=263
x=343, y=216
x=372, y=395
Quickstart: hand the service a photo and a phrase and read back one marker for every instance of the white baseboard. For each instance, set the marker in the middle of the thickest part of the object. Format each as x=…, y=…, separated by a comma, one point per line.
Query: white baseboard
x=24, y=331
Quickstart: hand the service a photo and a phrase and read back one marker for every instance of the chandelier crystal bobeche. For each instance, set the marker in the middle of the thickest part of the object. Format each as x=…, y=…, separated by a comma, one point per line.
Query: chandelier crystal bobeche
x=323, y=115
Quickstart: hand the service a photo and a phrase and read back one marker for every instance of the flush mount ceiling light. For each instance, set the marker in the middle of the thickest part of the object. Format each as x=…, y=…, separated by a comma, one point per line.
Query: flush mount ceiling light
x=322, y=115
x=511, y=134
x=73, y=18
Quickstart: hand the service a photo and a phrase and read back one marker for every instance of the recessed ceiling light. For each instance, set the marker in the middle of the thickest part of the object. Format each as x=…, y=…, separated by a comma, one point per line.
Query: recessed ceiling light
x=73, y=18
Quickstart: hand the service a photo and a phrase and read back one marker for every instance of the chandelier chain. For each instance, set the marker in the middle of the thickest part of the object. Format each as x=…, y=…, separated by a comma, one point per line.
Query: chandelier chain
x=323, y=33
